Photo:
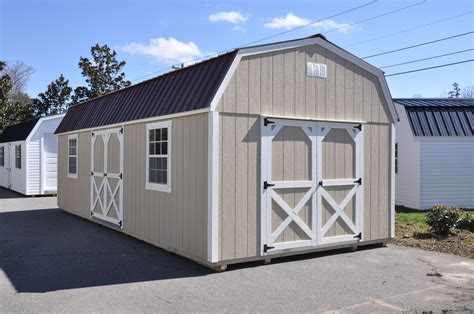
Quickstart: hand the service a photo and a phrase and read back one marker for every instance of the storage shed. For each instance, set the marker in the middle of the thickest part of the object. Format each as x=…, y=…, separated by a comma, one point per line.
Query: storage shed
x=435, y=152
x=261, y=152
x=28, y=156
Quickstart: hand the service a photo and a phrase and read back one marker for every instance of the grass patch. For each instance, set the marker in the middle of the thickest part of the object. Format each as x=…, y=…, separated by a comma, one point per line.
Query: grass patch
x=412, y=230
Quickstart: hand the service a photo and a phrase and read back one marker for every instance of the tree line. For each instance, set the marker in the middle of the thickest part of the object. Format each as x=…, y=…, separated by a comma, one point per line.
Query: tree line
x=103, y=74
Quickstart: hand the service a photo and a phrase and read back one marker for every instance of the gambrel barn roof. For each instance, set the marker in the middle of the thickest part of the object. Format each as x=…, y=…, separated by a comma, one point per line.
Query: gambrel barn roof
x=191, y=88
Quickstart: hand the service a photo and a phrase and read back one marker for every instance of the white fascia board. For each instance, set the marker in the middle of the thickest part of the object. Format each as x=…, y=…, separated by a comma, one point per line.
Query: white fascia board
x=243, y=52
x=144, y=120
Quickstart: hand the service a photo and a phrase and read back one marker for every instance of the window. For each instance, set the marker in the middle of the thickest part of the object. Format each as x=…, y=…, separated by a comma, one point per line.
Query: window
x=18, y=156
x=2, y=156
x=72, y=156
x=158, y=163
x=396, y=157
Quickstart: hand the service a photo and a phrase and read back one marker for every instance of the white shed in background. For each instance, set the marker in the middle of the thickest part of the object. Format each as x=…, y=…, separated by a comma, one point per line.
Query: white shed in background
x=28, y=156
x=434, y=153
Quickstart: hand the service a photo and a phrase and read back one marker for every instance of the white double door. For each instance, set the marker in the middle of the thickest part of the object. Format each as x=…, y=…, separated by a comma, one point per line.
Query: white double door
x=311, y=184
x=107, y=175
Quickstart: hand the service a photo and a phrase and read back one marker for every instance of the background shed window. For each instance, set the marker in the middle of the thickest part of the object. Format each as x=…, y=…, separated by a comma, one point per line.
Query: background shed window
x=396, y=157
x=158, y=156
x=18, y=156
x=72, y=156
x=2, y=156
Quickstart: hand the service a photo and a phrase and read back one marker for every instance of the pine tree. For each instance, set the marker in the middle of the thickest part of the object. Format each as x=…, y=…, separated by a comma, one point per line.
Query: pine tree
x=56, y=99
x=456, y=92
x=103, y=74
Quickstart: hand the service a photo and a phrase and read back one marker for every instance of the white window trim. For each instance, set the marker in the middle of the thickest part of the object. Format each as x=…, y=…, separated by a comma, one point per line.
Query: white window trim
x=156, y=186
x=73, y=175
x=3, y=148
x=21, y=157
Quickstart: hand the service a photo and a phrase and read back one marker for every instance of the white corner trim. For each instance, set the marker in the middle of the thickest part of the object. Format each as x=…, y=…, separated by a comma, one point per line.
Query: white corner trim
x=73, y=175
x=392, y=181
x=156, y=186
x=225, y=82
x=213, y=188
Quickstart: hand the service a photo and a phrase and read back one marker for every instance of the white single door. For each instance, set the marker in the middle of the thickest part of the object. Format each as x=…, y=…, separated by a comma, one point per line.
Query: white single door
x=340, y=179
x=107, y=175
x=50, y=162
x=289, y=183
x=299, y=207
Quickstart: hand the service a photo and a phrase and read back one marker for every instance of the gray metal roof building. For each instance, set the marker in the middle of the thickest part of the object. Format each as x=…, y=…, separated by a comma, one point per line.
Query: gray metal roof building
x=440, y=116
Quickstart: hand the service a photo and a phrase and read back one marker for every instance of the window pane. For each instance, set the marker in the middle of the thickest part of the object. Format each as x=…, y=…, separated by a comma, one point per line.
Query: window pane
x=164, y=148
x=164, y=134
x=151, y=148
x=158, y=134
x=151, y=135
x=72, y=165
x=158, y=148
x=152, y=163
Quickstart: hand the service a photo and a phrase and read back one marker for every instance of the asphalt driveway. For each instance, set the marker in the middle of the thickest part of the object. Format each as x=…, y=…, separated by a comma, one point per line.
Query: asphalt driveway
x=53, y=261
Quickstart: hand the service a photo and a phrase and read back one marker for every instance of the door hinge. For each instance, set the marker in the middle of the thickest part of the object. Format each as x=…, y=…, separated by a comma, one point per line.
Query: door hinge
x=358, y=181
x=359, y=236
x=267, y=121
x=120, y=176
x=92, y=213
x=93, y=134
x=266, y=185
x=267, y=247
x=92, y=173
x=105, y=174
x=320, y=183
x=121, y=130
x=120, y=223
x=358, y=127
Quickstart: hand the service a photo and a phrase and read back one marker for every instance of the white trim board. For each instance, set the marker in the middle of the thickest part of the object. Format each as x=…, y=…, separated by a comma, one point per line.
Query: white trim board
x=145, y=120
x=213, y=188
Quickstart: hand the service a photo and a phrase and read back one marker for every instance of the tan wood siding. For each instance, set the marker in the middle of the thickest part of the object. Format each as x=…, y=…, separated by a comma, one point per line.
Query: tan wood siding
x=176, y=221
x=74, y=194
x=276, y=84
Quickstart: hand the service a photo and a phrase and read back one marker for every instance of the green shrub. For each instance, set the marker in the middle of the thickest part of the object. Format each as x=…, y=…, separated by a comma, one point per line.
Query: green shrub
x=466, y=221
x=442, y=218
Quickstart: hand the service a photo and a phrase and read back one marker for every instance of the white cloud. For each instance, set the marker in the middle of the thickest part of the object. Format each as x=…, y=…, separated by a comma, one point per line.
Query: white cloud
x=331, y=24
x=291, y=21
x=288, y=22
x=231, y=17
x=166, y=50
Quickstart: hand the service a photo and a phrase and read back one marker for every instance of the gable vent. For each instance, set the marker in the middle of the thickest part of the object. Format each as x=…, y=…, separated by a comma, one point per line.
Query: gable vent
x=316, y=70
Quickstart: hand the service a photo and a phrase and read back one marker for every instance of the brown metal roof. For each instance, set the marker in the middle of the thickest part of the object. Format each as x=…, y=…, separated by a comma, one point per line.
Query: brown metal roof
x=18, y=132
x=182, y=90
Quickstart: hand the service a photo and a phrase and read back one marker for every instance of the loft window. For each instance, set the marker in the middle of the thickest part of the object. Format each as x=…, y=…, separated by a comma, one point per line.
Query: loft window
x=158, y=156
x=72, y=156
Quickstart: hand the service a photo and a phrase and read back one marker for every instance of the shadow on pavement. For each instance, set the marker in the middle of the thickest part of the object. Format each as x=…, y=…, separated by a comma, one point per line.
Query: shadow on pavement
x=7, y=193
x=48, y=250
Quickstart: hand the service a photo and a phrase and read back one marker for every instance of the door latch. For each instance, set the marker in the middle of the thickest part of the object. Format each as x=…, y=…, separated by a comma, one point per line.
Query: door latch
x=266, y=185
x=267, y=121
x=267, y=247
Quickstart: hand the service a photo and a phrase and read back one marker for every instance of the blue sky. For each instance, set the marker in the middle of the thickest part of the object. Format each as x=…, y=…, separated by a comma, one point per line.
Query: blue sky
x=51, y=35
